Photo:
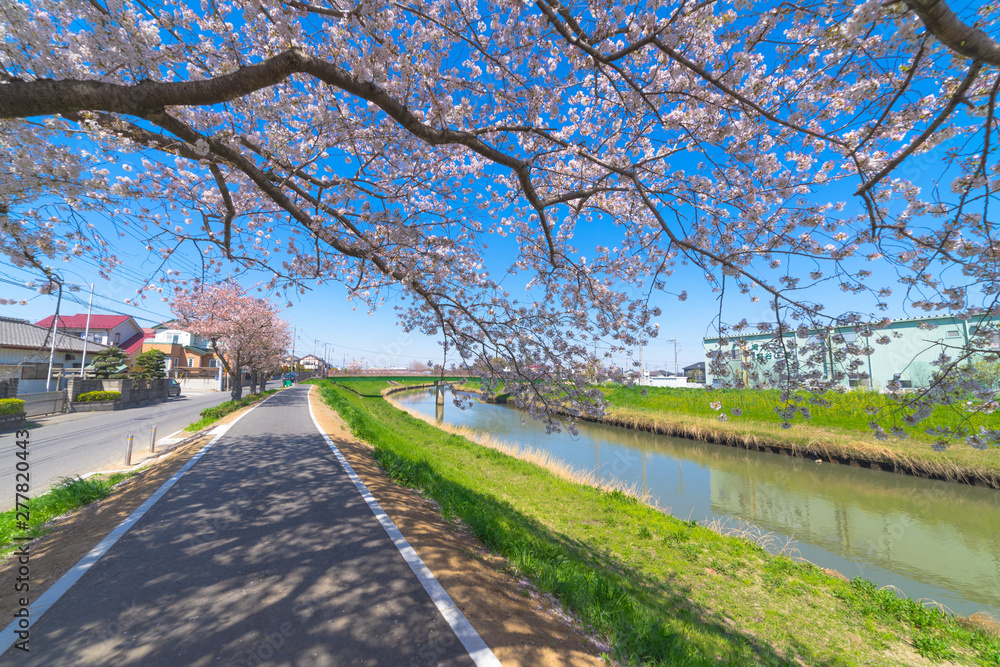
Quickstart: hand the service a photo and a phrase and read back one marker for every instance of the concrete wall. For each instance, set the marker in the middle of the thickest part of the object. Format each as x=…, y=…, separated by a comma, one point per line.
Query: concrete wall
x=680, y=382
x=8, y=388
x=199, y=384
x=134, y=393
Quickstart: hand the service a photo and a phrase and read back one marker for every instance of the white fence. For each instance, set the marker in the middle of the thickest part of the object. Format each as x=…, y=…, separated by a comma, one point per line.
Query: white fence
x=43, y=403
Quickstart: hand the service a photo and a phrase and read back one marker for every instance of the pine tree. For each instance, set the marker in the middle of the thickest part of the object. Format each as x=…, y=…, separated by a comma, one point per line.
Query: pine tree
x=108, y=362
x=149, y=365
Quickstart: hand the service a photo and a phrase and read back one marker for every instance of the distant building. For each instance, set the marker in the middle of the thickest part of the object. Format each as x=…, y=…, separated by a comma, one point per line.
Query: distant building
x=311, y=362
x=182, y=349
x=695, y=372
x=25, y=350
x=119, y=330
x=903, y=351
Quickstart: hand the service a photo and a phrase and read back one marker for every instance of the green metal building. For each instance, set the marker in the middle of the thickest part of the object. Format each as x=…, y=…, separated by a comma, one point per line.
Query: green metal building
x=903, y=350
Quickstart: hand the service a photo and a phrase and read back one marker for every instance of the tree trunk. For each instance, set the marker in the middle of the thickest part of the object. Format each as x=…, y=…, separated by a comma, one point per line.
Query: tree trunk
x=237, y=373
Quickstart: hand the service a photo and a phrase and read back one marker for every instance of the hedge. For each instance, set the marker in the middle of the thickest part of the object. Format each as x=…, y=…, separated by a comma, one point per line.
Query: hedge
x=223, y=409
x=11, y=406
x=92, y=396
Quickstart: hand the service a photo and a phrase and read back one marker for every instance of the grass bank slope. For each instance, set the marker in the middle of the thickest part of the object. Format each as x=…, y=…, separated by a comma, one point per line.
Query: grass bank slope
x=661, y=590
x=836, y=432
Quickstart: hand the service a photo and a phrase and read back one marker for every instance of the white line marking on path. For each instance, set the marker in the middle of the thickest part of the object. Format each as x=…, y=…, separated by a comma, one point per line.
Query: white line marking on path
x=8, y=635
x=473, y=643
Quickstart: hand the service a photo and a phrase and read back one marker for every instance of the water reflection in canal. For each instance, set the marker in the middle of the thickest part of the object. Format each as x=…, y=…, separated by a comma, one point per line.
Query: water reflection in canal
x=930, y=539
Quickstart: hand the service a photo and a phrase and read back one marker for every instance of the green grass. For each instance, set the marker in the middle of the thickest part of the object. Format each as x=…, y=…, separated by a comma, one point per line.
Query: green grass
x=69, y=494
x=852, y=410
x=212, y=415
x=661, y=590
x=373, y=388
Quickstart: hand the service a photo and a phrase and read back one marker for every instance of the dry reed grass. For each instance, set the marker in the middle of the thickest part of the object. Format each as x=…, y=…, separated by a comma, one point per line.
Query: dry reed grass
x=981, y=620
x=735, y=527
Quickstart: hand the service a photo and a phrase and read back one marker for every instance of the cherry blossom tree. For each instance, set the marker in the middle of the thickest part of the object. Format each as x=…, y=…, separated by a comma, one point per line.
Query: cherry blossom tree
x=243, y=331
x=270, y=340
x=779, y=149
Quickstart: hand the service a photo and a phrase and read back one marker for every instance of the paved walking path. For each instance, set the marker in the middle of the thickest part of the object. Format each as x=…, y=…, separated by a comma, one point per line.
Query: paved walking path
x=264, y=552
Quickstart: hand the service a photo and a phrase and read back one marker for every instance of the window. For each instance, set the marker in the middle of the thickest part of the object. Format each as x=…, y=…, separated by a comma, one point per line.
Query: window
x=211, y=363
x=38, y=371
x=953, y=333
x=175, y=362
x=903, y=384
x=190, y=362
x=118, y=338
x=175, y=338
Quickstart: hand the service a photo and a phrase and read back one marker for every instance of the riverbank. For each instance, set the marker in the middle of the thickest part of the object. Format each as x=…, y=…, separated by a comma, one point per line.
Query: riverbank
x=655, y=412
x=662, y=590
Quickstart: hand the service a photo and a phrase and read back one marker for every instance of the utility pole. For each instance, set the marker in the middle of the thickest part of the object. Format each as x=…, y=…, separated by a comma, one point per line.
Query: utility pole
x=674, y=341
x=86, y=334
x=52, y=351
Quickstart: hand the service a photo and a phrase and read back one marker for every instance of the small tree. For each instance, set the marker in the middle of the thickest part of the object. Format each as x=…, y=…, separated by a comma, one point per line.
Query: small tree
x=150, y=365
x=108, y=364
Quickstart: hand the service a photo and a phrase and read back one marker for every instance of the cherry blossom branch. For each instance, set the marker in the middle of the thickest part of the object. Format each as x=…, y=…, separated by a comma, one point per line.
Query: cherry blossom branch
x=944, y=24
x=230, y=209
x=956, y=99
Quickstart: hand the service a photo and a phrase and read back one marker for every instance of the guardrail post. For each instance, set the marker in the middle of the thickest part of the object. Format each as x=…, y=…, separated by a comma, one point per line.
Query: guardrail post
x=128, y=452
x=152, y=440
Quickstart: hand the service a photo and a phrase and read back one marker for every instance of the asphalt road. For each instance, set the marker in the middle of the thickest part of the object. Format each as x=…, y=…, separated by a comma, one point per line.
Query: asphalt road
x=263, y=553
x=75, y=444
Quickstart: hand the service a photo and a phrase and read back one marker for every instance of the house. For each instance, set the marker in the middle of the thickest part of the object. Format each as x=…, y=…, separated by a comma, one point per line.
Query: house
x=118, y=330
x=25, y=350
x=311, y=362
x=901, y=352
x=182, y=349
x=695, y=372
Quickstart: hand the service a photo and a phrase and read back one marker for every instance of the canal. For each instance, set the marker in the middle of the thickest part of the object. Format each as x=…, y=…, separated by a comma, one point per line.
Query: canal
x=932, y=540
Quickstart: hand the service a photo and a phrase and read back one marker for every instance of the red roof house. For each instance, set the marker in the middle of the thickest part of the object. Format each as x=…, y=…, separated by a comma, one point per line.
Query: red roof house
x=119, y=330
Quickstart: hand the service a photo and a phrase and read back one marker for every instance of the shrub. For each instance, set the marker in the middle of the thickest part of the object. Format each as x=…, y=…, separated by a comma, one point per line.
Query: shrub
x=11, y=406
x=110, y=364
x=95, y=396
x=150, y=365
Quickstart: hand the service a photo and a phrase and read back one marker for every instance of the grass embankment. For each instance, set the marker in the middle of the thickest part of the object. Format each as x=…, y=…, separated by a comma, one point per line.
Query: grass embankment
x=212, y=415
x=836, y=432
x=374, y=388
x=661, y=590
x=71, y=493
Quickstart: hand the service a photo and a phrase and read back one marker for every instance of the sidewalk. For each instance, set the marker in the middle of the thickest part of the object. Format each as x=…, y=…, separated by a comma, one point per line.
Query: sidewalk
x=264, y=552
